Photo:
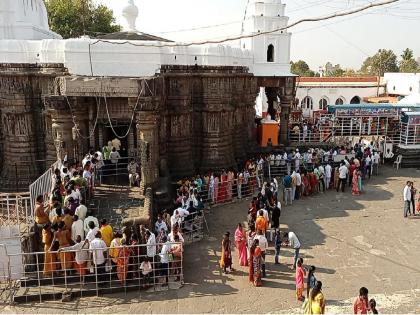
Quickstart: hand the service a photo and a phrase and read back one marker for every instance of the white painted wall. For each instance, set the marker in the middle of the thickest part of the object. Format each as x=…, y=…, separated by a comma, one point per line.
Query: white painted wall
x=25, y=38
x=331, y=94
x=402, y=83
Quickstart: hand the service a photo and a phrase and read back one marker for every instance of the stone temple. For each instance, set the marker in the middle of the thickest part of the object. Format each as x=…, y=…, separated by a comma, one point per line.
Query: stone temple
x=182, y=109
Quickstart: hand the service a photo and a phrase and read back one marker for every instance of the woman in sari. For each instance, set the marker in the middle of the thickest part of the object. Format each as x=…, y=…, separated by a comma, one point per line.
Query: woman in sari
x=230, y=179
x=226, y=259
x=257, y=262
x=240, y=243
x=176, y=250
x=216, y=189
x=223, y=187
x=315, y=303
x=306, y=191
x=51, y=263
x=122, y=261
x=355, y=190
x=63, y=237
x=251, y=253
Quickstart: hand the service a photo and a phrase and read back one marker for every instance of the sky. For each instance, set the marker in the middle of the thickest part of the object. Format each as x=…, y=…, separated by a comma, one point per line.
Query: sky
x=347, y=41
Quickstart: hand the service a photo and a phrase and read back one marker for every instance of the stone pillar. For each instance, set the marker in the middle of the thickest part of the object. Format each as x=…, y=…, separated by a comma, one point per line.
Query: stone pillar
x=20, y=141
x=287, y=97
x=69, y=139
x=147, y=139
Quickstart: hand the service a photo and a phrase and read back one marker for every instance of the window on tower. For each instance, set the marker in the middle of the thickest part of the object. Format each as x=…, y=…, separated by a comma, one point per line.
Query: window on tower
x=270, y=53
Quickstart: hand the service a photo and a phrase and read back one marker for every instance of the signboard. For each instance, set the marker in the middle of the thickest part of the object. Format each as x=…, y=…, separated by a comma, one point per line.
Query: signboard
x=376, y=112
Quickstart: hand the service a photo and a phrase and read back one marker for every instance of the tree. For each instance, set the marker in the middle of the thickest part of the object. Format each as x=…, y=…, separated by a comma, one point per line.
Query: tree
x=407, y=62
x=74, y=18
x=302, y=69
x=337, y=72
x=383, y=61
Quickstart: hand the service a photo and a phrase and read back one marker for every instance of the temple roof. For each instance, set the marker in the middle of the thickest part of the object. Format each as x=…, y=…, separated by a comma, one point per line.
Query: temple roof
x=133, y=36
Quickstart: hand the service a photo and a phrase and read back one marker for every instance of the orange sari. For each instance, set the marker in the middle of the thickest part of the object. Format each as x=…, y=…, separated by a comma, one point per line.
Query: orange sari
x=122, y=263
x=51, y=263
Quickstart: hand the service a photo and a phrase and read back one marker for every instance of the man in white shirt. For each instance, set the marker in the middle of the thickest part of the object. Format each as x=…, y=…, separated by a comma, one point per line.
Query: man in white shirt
x=86, y=223
x=81, y=252
x=376, y=159
x=164, y=258
x=291, y=240
x=327, y=177
x=81, y=211
x=298, y=157
x=178, y=216
x=342, y=177
x=298, y=184
x=114, y=156
x=93, y=230
x=160, y=225
x=175, y=231
x=99, y=252
x=133, y=175
x=407, y=199
x=263, y=244
x=150, y=244
x=77, y=229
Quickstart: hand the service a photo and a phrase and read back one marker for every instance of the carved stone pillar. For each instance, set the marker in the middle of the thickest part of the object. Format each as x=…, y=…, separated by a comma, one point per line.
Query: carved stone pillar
x=69, y=139
x=147, y=139
x=286, y=101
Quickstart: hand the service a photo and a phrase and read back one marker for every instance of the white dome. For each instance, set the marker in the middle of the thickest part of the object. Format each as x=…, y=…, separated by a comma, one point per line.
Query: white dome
x=22, y=19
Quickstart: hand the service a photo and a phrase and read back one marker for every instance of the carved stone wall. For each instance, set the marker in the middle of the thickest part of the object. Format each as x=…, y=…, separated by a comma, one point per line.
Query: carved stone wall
x=210, y=115
x=24, y=133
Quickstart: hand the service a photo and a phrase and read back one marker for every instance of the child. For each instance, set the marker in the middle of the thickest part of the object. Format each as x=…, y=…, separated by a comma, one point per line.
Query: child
x=311, y=280
x=300, y=275
x=226, y=260
x=277, y=244
x=372, y=305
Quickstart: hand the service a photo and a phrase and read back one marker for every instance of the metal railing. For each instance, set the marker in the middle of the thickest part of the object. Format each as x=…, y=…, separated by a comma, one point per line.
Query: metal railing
x=43, y=185
x=53, y=274
x=228, y=191
x=410, y=134
x=116, y=173
x=15, y=209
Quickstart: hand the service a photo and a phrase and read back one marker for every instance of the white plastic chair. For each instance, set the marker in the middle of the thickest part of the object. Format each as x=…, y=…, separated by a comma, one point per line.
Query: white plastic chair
x=397, y=162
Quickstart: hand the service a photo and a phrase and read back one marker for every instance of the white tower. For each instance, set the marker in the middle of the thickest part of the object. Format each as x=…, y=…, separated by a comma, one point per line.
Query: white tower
x=271, y=51
x=23, y=19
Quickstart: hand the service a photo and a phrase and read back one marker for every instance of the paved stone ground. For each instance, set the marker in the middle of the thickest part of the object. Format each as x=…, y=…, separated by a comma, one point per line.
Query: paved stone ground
x=353, y=241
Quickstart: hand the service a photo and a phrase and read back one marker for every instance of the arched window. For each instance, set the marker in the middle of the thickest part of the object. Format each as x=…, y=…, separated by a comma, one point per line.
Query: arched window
x=355, y=100
x=270, y=53
x=323, y=103
x=307, y=103
x=339, y=101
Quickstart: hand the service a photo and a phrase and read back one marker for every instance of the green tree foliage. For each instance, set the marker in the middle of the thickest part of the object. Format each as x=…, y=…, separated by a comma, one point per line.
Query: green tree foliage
x=301, y=68
x=73, y=18
x=383, y=61
x=407, y=62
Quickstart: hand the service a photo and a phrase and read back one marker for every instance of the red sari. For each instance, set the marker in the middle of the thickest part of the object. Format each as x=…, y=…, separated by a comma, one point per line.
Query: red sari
x=307, y=186
x=240, y=243
x=222, y=189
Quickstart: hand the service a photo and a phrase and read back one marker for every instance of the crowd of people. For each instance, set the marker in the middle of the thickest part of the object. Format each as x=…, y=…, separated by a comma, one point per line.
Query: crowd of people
x=308, y=173
x=75, y=241
x=409, y=196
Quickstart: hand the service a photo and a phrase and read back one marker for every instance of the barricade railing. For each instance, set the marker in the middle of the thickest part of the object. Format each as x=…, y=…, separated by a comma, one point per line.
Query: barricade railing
x=228, y=191
x=15, y=209
x=193, y=226
x=53, y=274
x=43, y=185
x=116, y=171
x=410, y=134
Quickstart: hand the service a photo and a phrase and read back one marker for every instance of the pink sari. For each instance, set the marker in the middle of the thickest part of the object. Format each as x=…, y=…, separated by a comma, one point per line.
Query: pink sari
x=240, y=243
x=355, y=183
